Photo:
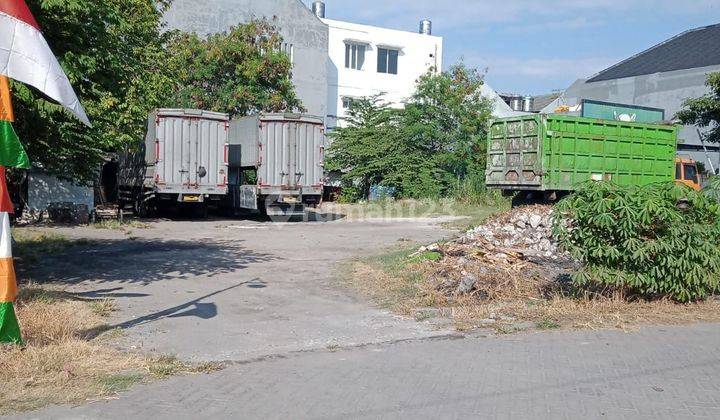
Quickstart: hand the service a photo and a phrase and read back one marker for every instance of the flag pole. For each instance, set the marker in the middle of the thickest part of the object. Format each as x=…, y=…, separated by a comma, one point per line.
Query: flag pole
x=9, y=326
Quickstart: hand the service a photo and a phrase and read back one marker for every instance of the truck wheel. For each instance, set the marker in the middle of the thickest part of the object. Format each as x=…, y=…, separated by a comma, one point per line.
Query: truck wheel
x=140, y=208
x=200, y=211
x=144, y=208
x=520, y=199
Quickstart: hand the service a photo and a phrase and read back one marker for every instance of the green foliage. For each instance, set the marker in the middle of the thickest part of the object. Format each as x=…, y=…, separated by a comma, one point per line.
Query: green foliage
x=425, y=256
x=239, y=72
x=372, y=150
x=657, y=241
x=712, y=188
x=448, y=117
x=122, y=65
x=426, y=150
x=112, y=53
x=705, y=111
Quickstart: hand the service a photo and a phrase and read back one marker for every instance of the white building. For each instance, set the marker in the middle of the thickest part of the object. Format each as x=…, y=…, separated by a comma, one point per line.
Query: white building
x=368, y=60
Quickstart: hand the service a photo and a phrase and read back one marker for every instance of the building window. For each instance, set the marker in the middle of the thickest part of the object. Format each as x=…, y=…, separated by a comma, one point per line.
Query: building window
x=347, y=102
x=388, y=61
x=354, y=56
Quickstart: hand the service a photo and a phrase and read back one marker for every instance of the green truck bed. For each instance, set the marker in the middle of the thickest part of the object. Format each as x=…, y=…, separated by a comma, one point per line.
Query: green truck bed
x=557, y=153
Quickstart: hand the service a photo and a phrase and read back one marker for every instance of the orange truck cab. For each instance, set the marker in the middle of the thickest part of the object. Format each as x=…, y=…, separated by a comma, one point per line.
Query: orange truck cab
x=686, y=173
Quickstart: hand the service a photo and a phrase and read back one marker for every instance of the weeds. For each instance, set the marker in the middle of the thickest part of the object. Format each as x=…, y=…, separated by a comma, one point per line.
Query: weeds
x=547, y=324
x=31, y=245
x=118, y=225
x=103, y=308
x=120, y=382
x=164, y=366
x=395, y=282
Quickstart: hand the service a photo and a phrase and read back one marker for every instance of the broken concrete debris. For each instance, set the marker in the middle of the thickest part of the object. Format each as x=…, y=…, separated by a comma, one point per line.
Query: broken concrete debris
x=513, y=253
x=527, y=228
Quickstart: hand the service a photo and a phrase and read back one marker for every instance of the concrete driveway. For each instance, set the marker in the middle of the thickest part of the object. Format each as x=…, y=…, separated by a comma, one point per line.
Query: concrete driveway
x=237, y=289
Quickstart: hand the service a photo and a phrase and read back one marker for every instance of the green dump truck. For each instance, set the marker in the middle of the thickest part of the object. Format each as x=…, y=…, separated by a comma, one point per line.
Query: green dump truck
x=557, y=153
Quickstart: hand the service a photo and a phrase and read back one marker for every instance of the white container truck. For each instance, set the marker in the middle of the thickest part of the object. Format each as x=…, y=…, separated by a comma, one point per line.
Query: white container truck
x=276, y=163
x=183, y=161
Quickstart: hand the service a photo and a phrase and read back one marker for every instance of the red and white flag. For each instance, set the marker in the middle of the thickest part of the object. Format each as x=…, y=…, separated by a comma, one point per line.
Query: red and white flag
x=26, y=57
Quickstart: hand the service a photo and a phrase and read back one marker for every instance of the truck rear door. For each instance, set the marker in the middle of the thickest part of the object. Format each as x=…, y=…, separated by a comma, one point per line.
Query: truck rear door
x=191, y=150
x=514, y=155
x=309, y=148
x=292, y=154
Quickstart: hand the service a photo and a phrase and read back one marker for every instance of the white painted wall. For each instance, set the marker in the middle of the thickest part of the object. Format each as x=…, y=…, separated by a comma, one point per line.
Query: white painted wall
x=418, y=54
x=44, y=190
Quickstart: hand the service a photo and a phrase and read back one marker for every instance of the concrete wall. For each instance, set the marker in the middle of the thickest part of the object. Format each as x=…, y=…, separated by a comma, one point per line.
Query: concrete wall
x=667, y=91
x=418, y=53
x=45, y=189
x=297, y=24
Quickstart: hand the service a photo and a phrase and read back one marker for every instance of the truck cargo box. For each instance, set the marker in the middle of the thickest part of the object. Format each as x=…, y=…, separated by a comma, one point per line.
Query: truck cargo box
x=558, y=153
x=286, y=151
x=184, y=154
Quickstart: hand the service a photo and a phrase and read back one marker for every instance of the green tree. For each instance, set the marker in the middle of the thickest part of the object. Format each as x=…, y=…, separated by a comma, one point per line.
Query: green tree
x=373, y=150
x=112, y=52
x=239, y=72
x=705, y=111
x=448, y=118
x=425, y=150
x=122, y=65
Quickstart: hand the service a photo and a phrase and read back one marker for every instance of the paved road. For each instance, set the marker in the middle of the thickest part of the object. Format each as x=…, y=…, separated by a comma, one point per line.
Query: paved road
x=656, y=373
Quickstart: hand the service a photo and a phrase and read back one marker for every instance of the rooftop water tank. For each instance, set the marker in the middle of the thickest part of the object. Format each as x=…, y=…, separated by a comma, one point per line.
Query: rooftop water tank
x=318, y=8
x=426, y=27
x=528, y=103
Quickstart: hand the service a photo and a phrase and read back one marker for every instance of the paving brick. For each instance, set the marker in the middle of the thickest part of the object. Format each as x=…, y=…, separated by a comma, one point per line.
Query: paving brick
x=533, y=376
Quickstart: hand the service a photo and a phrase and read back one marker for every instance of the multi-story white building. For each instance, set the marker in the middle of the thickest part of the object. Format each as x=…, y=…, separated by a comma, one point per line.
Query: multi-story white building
x=334, y=62
x=368, y=60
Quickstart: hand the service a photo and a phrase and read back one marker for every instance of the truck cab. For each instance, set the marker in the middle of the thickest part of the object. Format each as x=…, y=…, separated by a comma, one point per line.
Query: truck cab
x=686, y=173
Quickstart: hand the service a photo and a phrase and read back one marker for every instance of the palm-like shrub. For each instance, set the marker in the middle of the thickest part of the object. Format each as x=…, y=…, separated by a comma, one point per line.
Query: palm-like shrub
x=657, y=241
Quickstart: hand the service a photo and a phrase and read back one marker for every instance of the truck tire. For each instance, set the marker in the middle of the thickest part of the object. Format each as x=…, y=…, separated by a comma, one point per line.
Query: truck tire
x=140, y=208
x=144, y=207
x=201, y=211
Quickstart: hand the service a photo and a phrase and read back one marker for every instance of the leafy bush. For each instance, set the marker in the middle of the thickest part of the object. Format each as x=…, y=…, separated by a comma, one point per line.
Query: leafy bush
x=712, y=188
x=657, y=241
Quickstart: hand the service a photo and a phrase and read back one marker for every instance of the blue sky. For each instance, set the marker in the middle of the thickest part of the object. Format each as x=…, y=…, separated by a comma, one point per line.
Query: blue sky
x=536, y=46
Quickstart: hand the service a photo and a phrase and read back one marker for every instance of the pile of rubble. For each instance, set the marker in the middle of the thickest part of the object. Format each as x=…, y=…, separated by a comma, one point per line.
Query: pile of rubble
x=512, y=253
x=526, y=228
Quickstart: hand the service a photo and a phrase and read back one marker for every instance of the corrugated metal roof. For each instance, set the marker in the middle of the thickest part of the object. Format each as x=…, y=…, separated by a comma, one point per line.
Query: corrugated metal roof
x=691, y=49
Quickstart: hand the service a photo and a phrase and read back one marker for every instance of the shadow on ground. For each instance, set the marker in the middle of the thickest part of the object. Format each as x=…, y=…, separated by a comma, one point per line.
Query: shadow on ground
x=140, y=261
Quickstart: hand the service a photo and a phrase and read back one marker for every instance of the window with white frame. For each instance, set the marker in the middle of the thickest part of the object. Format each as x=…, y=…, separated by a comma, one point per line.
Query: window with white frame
x=354, y=56
x=388, y=60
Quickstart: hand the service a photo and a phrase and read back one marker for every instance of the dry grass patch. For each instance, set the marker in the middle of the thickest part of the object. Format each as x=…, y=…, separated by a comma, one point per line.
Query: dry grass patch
x=114, y=224
x=67, y=358
x=509, y=303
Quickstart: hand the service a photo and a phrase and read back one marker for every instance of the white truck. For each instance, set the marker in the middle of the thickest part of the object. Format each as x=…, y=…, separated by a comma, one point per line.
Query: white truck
x=183, y=162
x=276, y=163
